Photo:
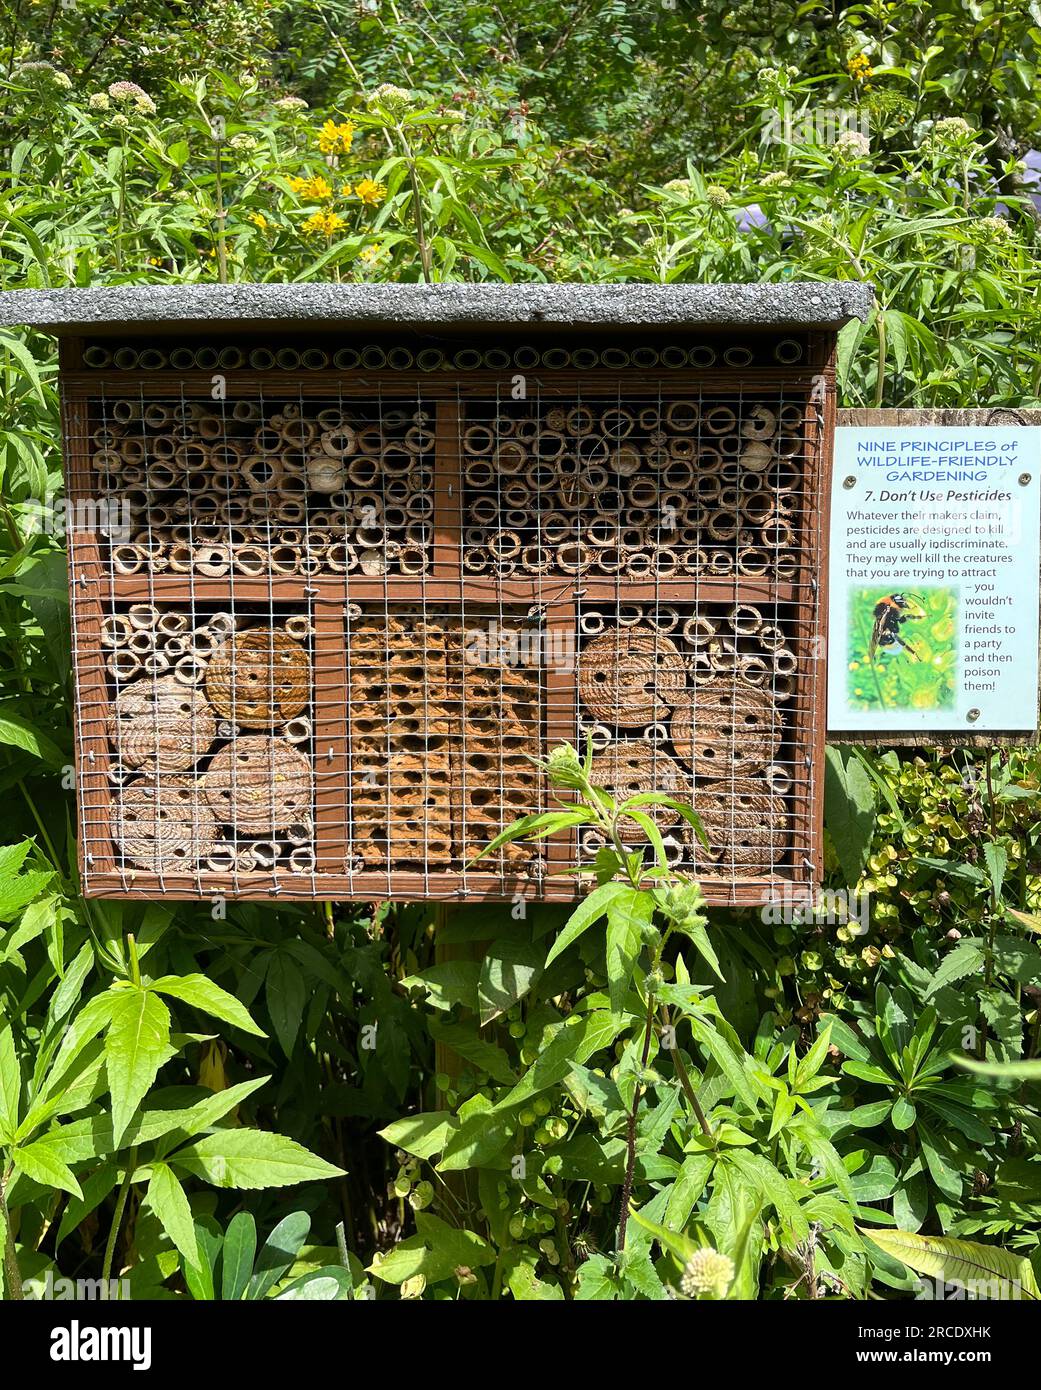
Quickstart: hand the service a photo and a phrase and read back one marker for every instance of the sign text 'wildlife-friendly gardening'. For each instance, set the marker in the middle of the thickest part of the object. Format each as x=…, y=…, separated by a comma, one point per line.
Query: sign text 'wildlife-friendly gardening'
x=934, y=578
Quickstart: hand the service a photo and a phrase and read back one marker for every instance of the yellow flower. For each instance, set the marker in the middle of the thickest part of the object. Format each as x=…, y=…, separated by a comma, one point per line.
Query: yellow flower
x=859, y=68
x=370, y=193
x=336, y=139
x=259, y=220
x=325, y=224
x=315, y=190
x=371, y=254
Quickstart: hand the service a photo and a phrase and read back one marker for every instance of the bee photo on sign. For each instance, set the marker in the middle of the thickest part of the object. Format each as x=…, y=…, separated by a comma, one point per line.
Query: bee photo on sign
x=902, y=648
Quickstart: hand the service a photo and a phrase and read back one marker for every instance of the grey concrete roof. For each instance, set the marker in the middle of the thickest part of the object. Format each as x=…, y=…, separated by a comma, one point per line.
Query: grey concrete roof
x=826, y=304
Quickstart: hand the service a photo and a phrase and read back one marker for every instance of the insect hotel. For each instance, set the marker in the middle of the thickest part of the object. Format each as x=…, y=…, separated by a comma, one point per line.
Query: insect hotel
x=345, y=558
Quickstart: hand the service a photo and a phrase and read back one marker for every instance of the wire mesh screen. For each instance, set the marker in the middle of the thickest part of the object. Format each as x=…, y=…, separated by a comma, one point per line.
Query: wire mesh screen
x=331, y=603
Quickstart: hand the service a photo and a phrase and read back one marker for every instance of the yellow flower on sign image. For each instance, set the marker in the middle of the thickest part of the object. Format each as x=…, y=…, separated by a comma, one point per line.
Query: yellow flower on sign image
x=370, y=193
x=336, y=139
x=325, y=224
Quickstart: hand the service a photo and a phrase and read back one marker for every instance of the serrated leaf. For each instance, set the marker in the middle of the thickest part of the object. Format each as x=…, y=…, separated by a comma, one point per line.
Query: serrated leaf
x=167, y=1199
x=202, y=993
x=40, y=1163
x=136, y=1045
x=252, y=1159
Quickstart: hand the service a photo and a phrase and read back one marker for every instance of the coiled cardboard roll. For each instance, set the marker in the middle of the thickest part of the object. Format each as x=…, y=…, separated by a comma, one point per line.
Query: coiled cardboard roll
x=630, y=676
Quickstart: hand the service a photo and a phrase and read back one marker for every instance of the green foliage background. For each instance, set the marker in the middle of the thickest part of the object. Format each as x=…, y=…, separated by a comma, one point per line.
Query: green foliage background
x=178, y=1089
x=895, y=679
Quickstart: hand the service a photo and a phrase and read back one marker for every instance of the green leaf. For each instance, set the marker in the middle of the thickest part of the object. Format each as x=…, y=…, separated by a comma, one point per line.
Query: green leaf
x=330, y=1284
x=585, y=914
x=252, y=1158
x=966, y=957
x=136, y=1045
x=278, y=1253
x=980, y=1268
x=421, y=1135
x=286, y=995
x=240, y=1248
x=18, y=732
x=996, y=859
x=579, y=1038
x=628, y=914
x=167, y=1199
x=40, y=1163
x=203, y=994
x=16, y=888
x=10, y=1085
x=509, y=970
x=436, y=1252
x=849, y=810
x=903, y=1113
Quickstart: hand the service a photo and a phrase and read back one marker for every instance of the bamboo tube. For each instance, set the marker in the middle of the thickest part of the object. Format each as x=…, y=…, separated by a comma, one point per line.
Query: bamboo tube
x=699, y=630
x=573, y=557
x=663, y=617
x=771, y=637
x=738, y=356
x=720, y=562
x=756, y=456
x=638, y=564
x=534, y=558
x=341, y=557
x=302, y=860
x=125, y=359
x=666, y=561
x=412, y=560
x=180, y=558
x=345, y=359
x=753, y=669
x=155, y=663
x=526, y=357
x=313, y=359
x=745, y=620
x=721, y=525
x=602, y=531
x=287, y=359
x=785, y=661
x=791, y=417
x=372, y=563
x=584, y=359
x=656, y=734
x=107, y=462
x=788, y=351
x=556, y=527
x=549, y=445
x=556, y=419
x=477, y=560
x=777, y=533
x=430, y=359
x=557, y=358
x=617, y=423
x=700, y=666
x=644, y=357
x=673, y=356
x=580, y=421
x=478, y=439
x=788, y=446
x=615, y=358
x=759, y=423
x=466, y=359
x=786, y=566
x=175, y=647
x=719, y=420
x=695, y=561
x=702, y=356
x=478, y=473
x=124, y=664
x=96, y=356
x=249, y=560
x=682, y=416
x=262, y=473
x=511, y=456
x=625, y=460
x=325, y=476
x=419, y=440
x=496, y=359
x=115, y=630
x=679, y=475
x=779, y=778
x=156, y=416
x=753, y=561
x=504, y=545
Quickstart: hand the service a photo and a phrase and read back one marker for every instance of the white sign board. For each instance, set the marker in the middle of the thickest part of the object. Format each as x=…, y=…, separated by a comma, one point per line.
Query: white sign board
x=934, y=578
